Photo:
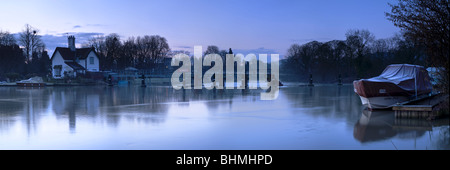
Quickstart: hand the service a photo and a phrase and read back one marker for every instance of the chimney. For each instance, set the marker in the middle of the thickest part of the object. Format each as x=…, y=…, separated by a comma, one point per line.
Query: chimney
x=72, y=43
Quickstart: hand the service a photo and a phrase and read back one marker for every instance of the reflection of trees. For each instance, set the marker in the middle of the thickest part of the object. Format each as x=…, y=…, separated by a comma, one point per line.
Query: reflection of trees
x=24, y=102
x=443, y=141
x=37, y=102
x=9, y=107
x=113, y=104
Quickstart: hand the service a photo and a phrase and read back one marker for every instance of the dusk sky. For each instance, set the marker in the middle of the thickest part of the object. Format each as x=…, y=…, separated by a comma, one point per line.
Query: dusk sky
x=257, y=26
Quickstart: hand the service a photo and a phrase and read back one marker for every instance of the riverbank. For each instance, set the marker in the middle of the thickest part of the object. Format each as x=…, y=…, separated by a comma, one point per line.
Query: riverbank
x=55, y=84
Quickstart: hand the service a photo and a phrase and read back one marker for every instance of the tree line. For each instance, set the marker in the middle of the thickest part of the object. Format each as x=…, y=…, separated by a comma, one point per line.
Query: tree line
x=142, y=52
x=424, y=40
x=360, y=55
x=23, y=57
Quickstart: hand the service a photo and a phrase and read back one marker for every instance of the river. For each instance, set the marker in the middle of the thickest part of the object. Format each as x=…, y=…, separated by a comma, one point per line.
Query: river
x=324, y=117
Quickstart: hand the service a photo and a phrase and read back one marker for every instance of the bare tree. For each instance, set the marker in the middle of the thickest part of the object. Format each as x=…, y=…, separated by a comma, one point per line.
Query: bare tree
x=151, y=49
x=428, y=23
x=212, y=49
x=159, y=48
x=304, y=55
x=129, y=56
x=30, y=40
x=7, y=39
x=113, y=47
x=358, y=42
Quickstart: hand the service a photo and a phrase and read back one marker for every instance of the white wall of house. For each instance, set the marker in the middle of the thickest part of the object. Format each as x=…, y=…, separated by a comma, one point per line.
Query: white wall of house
x=92, y=62
x=58, y=60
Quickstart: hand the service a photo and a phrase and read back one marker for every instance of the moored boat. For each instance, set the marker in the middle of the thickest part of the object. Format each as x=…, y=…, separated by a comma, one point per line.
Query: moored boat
x=396, y=84
x=32, y=82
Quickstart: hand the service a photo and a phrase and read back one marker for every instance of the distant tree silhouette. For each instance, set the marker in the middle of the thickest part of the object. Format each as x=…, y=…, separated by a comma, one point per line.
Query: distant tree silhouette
x=7, y=39
x=12, y=59
x=212, y=49
x=358, y=42
x=143, y=52
x=359, y=56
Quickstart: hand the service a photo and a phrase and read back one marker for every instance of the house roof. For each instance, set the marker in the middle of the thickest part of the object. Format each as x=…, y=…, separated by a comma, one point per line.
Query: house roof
x=67, y=54
x=75, y=66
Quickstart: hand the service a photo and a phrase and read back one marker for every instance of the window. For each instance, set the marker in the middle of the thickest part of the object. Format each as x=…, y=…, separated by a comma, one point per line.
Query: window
x=57, y=70
x=91, y=60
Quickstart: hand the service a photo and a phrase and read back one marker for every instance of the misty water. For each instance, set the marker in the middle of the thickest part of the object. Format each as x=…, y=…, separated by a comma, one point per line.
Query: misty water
x=159, y=117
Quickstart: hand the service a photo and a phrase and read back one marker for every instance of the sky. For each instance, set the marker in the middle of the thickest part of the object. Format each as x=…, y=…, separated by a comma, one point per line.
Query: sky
x=246, y=26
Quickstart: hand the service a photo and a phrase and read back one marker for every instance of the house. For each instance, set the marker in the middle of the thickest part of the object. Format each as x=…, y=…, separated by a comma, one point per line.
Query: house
x=73, y=61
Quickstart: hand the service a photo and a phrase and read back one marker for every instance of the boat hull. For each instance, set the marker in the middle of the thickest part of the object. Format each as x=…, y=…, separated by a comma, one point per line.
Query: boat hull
x=382, y=102
x=31, y=84
x=396, y=84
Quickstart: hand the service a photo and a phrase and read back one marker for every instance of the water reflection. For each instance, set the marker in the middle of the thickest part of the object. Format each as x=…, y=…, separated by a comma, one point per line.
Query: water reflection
x=24, y=106
x=381, y=125
x=327, y=101
x=158, y=117
x=374, y=126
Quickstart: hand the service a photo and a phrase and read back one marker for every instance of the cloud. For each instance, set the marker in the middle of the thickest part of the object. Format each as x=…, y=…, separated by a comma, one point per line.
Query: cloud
x=184, y=47
x=60, y=40
x=76, y=26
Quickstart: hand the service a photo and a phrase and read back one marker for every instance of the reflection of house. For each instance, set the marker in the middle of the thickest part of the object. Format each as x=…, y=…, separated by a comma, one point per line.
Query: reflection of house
x=73, y=61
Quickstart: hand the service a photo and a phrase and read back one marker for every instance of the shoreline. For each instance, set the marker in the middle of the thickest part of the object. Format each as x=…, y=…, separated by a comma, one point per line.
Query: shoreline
x=50, y=84
x=299, y=84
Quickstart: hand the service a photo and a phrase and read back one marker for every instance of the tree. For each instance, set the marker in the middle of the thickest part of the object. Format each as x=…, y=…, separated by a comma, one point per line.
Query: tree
x=129, y=55
x=98, y=43
x=426, y=23
x=303, y=56
x=7, y=39
x=358, y=42
x=112, y=47
x=151, y=50
x=159, y=48
x=212, y=49
x=30, y=40
x=12, y=61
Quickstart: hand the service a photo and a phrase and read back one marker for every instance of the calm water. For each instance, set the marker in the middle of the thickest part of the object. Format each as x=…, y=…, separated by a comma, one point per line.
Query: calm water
x=321, y=117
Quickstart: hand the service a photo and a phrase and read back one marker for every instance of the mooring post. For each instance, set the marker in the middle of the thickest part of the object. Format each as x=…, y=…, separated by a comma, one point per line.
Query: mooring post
x=340, y=80
x=143, y=80
x=310, y=80
x=109, y=80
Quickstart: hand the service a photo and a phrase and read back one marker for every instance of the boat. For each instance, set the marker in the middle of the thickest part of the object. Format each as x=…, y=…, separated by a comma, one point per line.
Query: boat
x=398, y=83
x=32, y=82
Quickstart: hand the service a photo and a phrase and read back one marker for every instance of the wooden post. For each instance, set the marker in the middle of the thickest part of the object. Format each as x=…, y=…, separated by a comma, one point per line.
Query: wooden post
x=310, y=80
x=143, y=80
x=339, y=80
x=110, y=80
